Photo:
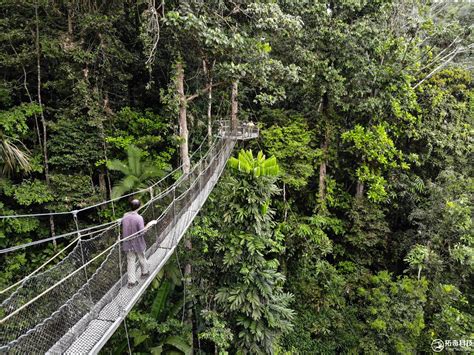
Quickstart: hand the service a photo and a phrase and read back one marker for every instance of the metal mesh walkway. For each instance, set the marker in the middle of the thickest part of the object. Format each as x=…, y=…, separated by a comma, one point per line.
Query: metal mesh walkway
x=75, y=306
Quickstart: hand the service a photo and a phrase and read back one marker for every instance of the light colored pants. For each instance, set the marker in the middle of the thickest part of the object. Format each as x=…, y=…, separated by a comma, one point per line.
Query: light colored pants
x=131, y=269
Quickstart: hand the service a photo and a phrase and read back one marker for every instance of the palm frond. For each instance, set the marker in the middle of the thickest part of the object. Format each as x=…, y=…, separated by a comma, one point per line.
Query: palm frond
x=119, y=190
x=150, y=171
x=138, y=174
x=118, y=165
x=11, y=156
x=130, y=182
x=134, y=156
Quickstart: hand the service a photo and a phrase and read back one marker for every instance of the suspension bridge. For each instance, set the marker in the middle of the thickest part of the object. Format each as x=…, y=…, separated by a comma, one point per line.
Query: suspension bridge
x=76, y=305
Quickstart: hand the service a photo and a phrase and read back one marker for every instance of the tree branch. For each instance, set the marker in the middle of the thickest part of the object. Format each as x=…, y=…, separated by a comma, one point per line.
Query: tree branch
x=203, y=91
x=438, y=68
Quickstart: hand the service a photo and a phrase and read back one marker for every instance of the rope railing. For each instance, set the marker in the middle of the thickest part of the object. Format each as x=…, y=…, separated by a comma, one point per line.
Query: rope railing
x=30, y=284
x=88, y=230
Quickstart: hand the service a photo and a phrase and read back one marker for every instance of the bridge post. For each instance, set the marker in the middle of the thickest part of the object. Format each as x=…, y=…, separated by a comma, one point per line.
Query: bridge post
x=150, y=190
x=120, y=258
x=173, y=240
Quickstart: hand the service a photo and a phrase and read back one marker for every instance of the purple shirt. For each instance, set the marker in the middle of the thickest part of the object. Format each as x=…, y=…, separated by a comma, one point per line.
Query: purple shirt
x=132, y=223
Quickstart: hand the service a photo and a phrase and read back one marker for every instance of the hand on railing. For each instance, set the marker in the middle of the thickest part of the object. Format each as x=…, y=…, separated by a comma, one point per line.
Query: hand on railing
x=150, y=224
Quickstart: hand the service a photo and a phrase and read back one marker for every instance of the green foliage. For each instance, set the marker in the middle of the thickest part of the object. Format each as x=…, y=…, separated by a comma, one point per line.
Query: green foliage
x=217, y=332
x=153, y=325
x=258, y=166
x=137, y=173
x=13, y=122
x=368, y=233
x=393, y=313
x=451, y=317
x=447, y=99
x=179, y=343
x=312, y=235
x=72, y=192
x=14, y=155
x=75, y=144
x=373, y=144
x=251, y=291
x=291, y=145
x=325, y=321
x=377, y=152
x=148, y=131
x=443, y=221
x=417, y=257
x=29, y=192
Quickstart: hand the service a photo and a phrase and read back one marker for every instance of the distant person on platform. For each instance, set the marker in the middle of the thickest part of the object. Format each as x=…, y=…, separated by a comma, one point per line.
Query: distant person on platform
x=248, y=128
x=134, y=247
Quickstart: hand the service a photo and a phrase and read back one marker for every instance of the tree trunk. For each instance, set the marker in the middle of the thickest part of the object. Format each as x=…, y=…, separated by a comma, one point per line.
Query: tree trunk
x=102, y=187
x=323, y=108
x=322, y=175
x=43, y=120
x=234, y=105
x=107, y=191
x=183, y=126
x=359, y=189
x=207, y=72
x=209, y=114
x=25, y=84
x=323, y=168
x=69, y=18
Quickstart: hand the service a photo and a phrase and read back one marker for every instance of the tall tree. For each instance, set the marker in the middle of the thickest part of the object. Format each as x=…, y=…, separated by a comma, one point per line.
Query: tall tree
x=251, y=292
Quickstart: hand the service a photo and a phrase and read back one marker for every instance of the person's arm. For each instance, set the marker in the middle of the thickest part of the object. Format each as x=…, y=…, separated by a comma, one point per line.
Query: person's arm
x=141, y=223
x=149, y=224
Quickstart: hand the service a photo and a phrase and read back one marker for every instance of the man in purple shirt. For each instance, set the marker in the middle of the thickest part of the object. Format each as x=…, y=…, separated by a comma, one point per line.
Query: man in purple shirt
x=132, y=224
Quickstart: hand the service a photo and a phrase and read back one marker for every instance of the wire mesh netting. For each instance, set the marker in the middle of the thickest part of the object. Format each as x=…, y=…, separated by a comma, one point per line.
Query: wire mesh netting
x=51, y=309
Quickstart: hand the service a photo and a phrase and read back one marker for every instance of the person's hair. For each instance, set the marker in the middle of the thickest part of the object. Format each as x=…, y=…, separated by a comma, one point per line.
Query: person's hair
x=135, y=204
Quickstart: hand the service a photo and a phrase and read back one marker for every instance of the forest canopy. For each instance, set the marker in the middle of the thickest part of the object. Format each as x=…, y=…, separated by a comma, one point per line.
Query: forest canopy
x=345, y=227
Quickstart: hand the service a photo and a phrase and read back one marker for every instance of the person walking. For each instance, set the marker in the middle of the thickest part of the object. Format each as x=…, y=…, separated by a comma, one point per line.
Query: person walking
x=134, y=247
